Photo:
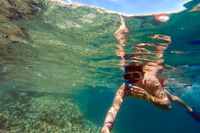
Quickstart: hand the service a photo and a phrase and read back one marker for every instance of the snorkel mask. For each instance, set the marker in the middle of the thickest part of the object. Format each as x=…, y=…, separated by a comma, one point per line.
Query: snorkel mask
x=132, y=74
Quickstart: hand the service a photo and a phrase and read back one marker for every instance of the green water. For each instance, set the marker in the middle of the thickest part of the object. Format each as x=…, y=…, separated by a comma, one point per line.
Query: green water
x=59, y=71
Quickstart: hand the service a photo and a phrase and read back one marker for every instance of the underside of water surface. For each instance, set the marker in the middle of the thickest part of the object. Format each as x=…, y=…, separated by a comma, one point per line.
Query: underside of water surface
x=59, y=70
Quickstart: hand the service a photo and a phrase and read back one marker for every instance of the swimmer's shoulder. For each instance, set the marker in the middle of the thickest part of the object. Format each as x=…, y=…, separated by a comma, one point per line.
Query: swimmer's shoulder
x=149, y=82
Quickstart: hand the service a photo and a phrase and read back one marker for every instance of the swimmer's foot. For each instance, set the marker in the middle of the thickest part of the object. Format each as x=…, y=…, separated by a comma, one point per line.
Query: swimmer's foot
x=195, y=114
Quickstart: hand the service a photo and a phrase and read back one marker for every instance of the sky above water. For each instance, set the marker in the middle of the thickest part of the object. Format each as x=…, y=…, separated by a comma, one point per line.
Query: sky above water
x=136, y=7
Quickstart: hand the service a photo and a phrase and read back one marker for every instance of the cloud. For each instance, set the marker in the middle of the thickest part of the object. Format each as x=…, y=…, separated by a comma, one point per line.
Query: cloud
x=111, y=0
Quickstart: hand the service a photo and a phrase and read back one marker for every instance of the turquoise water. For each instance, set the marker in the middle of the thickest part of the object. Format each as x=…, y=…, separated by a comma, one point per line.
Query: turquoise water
x=59, y=69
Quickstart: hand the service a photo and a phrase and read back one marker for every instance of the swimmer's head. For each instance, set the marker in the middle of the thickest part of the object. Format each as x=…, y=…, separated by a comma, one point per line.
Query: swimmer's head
x=133, y=73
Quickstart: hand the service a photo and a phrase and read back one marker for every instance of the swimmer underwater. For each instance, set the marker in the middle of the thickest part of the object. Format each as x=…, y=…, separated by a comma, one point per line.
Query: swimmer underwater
x=140, y=82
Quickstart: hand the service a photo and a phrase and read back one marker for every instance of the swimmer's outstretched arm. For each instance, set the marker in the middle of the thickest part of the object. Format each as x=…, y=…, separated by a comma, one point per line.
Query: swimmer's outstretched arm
x=112, y=112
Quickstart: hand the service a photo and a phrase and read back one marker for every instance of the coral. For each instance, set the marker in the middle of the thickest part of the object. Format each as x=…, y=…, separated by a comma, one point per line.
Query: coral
x=42, y=112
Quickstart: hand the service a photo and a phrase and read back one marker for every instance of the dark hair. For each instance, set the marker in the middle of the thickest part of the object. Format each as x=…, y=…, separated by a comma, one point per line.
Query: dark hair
x=133, y=73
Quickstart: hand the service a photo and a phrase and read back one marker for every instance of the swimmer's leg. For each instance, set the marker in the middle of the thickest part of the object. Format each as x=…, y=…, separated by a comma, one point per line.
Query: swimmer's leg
x=177, y=100
x=190, y=110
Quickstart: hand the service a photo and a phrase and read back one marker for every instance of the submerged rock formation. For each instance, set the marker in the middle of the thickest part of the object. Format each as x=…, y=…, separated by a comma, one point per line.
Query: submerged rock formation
x=11, y=10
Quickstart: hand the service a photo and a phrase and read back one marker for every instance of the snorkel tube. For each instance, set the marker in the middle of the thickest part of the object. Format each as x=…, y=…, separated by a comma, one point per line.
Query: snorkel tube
x=127, y=83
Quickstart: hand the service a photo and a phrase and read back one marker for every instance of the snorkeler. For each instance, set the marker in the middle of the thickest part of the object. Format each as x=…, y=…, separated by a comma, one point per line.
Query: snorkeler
x=140, y=82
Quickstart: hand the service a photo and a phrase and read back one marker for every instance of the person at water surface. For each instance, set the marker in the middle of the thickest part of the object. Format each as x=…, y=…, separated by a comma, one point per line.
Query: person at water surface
x=140, y=82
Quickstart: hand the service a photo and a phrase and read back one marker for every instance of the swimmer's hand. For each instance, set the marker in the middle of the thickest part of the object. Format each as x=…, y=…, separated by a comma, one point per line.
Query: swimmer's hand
x=139, y=93
x=159, y=98
x=105, y=130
